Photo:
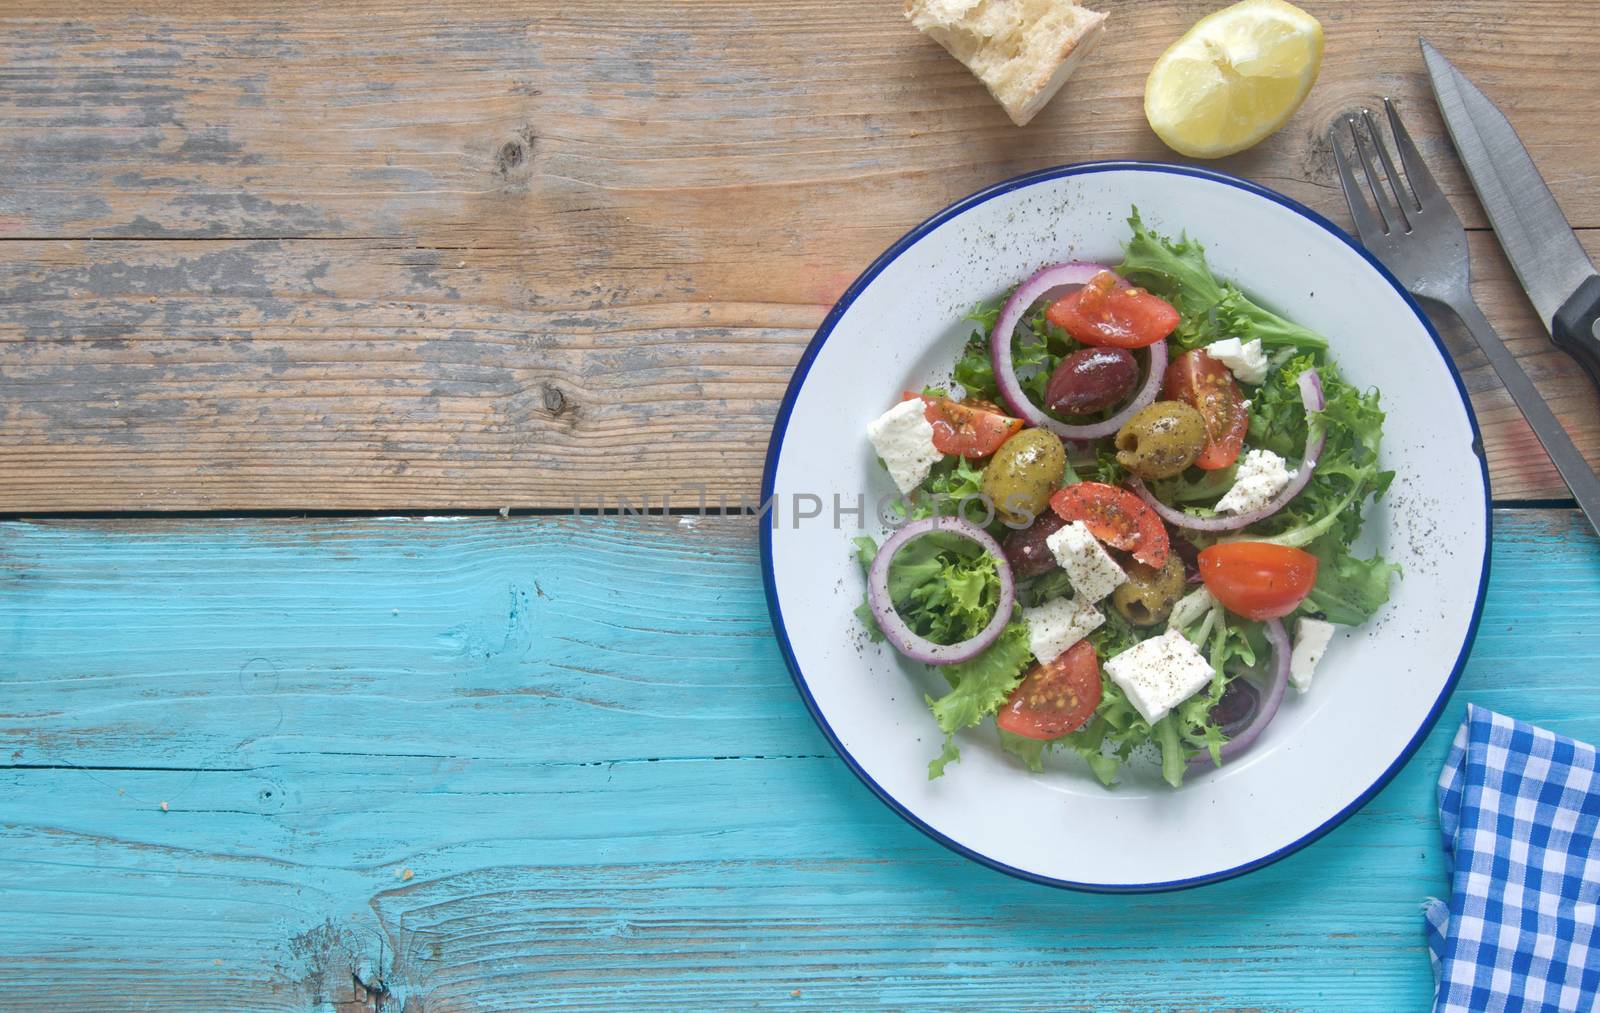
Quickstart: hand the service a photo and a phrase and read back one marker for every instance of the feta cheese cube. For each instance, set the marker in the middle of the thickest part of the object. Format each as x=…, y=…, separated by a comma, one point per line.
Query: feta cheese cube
x=1261, y=476
x=1160, y=673
x=1311, y=637
x=1246, y=359
x=1091, y=571
x=1191, y=608
x=903, y=438
x=1057, y=625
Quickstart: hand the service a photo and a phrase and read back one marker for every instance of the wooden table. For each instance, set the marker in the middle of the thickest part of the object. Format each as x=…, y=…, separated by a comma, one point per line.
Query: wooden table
x=370, y=263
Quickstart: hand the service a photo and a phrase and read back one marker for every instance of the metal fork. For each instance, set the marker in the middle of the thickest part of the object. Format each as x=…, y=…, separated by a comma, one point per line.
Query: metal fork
x=1410, y=226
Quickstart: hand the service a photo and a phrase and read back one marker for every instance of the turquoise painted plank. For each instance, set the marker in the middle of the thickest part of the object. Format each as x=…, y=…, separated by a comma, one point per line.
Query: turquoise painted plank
x=256, y=640
x=557, y=764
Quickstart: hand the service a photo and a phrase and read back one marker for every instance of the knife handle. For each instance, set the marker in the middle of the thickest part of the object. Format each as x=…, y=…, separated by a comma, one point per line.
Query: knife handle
x=1567, y=458
x=1576, y=327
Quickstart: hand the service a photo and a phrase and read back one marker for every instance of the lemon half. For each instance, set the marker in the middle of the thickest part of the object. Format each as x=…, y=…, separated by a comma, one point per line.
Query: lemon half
x=1234, y=78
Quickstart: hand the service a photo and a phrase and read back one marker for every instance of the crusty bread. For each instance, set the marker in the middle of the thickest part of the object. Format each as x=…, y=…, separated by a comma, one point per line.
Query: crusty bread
x=1022, y=50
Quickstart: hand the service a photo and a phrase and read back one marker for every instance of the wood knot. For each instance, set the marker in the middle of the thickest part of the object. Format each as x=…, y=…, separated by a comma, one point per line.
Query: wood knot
x=555, y=402
x=509, y=157
x=373, y=994
x=515, y=153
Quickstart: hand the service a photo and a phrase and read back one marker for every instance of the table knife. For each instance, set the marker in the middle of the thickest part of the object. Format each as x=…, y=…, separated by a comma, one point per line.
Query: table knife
x=1557, y=274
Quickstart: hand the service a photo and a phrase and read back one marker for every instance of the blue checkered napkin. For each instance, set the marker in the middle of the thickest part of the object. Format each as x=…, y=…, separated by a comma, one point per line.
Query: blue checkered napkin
x=1519, y=808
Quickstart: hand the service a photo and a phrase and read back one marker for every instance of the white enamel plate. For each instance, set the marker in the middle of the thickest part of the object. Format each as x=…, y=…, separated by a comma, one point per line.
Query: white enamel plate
x=1380, y=687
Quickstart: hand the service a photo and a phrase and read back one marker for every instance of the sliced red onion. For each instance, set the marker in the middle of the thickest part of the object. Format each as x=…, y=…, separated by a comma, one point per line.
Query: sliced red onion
x=1312, y=397
x=1311, y=391
x=896, y=630
x=1236, y=744
x=1005, y=376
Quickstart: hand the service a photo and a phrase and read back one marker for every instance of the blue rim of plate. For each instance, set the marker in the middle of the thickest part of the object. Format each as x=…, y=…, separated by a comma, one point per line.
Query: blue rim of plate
x=781, y=425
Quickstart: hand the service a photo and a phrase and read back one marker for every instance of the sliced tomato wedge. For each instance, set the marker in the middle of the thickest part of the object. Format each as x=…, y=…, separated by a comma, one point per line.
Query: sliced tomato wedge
x=1056, y=698
x=972, y=429
x=1201, y=381
x=1258, y=580
x=1107, y=311
x=1116, y=517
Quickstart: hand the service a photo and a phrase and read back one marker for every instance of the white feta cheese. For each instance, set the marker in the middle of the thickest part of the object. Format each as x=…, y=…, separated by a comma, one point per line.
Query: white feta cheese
x=1245, y=358
x=1057, y=625
x=1160, y=673
x=1311, y=637
x=1191, y=608
x=1261, y=476
x=1091, y=571
x=903, y=438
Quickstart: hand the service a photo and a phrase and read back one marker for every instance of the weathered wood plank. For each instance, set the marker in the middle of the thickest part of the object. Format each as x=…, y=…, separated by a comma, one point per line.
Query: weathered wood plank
x=177, y=375
x=533, y=764
x=301, y=375
x=704, y=129
x=573, y=252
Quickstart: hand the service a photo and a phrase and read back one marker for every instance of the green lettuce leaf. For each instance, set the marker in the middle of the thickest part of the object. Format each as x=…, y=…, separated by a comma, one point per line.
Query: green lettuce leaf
x=1169, y=739
x=1035, y=591
x=982, y=685
x=869, y=622
x=1029, y=751
x=951, y=753
x=1087, y=742
x=1114, y=636
x=1348, y=473
x=1349, y=589
x=1176, y=270
x=944, y=586
x=955, y=485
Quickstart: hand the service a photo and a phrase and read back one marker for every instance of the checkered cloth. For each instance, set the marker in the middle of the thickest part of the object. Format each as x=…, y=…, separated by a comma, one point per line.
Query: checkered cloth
x=1520, y=810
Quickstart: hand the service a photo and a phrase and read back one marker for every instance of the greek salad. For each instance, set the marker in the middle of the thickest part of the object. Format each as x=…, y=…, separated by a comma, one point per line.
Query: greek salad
x=1126, y=523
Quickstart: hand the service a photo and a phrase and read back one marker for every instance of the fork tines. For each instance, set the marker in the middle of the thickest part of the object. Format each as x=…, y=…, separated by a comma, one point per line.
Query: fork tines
x=1396, y=202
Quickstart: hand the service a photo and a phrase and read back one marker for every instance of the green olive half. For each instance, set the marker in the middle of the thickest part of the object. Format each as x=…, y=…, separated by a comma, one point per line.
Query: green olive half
x=1147, y=597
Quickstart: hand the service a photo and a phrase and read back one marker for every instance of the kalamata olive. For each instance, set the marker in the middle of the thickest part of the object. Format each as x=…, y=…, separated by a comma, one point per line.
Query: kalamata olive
x=1161, y=440
x=1091, y=380
x=1236, y=708
x=1025, y=549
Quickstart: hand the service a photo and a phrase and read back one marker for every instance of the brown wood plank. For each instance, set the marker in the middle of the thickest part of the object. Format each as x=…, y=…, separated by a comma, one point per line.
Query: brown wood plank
x=329, y=375
x=467, y=121
x=321, y=375
x=478, y=255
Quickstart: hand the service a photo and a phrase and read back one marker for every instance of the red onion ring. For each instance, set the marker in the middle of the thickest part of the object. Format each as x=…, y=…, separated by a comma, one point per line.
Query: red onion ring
x=1279, y=639
x=896, y=630
x=1312, y=397
x=1005, y=376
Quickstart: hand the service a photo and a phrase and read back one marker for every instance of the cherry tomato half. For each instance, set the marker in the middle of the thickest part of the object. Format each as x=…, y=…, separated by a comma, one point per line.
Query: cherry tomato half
x=1258, y=580
x=1201, y=381
x=973, y=430
x=1116, y=517
x=1107, y=311
x=1056, y=698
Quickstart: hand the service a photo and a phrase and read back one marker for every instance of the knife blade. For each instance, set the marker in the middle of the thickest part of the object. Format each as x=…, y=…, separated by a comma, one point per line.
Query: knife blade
x=1553, y=268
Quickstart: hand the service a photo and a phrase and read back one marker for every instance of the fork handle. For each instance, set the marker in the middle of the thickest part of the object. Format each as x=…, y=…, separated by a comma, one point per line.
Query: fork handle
x=1569, y=462
x=1574, y=327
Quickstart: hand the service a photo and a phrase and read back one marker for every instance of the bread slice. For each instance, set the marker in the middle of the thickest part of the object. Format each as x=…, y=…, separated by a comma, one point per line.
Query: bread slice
x=1022, y=50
